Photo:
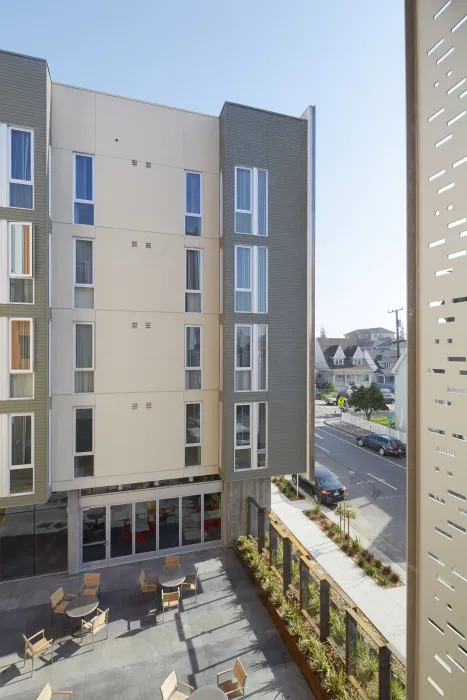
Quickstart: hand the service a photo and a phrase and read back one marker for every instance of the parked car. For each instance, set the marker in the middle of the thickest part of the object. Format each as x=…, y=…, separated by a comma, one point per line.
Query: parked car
x=385, y=444
x=332, y=400
x=388, y=396
x=325, y=488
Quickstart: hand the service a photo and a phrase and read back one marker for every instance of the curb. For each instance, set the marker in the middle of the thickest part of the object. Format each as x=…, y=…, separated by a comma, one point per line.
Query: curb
x=347, y=432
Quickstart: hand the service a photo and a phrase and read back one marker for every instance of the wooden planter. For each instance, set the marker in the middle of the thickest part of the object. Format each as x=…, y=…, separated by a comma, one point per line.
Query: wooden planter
x=299, y=658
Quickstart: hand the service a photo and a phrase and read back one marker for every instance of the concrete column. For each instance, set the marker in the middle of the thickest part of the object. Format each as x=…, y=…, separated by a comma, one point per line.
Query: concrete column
x=235, y=505
x=73, y=531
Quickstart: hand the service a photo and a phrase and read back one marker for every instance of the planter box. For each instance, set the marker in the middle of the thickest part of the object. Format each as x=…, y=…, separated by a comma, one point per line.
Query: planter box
x=301, y=661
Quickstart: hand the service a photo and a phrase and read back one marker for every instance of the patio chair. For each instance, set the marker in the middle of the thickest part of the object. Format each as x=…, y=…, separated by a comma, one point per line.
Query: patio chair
x=235, y=685
x=59, y=602
x=169, y=688
x=47, y=693
x=148, y=582
x=191, y=583
x=33, y=649
x=171, y=563
x=170, y=599
x=95, y=625
x=91, y=585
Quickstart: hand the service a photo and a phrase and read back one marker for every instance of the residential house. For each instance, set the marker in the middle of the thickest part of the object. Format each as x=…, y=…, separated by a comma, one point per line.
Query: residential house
x=385, y=358
x=342, y=364
x=400, y=377
x=369, y=337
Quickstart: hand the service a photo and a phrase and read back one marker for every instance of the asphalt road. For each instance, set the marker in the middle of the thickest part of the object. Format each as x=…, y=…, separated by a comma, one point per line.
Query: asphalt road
x=376, y=487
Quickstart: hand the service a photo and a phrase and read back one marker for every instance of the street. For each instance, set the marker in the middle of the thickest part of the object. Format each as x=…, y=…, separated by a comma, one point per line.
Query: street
x=376, y=487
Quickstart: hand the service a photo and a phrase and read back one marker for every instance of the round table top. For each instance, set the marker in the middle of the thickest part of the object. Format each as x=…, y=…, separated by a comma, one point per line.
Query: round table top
x=208, y=692
x=171, y=579
x=81, y=606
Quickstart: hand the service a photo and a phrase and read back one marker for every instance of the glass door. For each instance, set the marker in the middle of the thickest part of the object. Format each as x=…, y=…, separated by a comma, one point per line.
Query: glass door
x=121, y=530
x=94, y=535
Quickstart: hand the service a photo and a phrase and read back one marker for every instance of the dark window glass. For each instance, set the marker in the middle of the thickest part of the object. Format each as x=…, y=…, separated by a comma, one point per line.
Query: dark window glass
x=212, y=516
x=16, y=543
x=191, y=520
x=83, y=178
x=145, y=527
x=168, y=523
x=20, y=440
x=121, y=530
x=83, y=430
x=51, y=533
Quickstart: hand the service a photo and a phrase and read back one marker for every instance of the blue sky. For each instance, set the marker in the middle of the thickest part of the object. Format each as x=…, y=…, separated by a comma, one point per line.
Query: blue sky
x=344, y=56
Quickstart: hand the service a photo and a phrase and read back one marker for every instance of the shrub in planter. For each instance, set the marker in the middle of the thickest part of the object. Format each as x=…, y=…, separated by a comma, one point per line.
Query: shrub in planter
x=382, y=580
x=336, y=684
x=337, y=625
x=356, y=545
x=369, y=568
x=370, y=557
x=393, y=577
x=378, y=564
x=387, y=570
x=365, y=553
x=397, y=691
x=361, y=561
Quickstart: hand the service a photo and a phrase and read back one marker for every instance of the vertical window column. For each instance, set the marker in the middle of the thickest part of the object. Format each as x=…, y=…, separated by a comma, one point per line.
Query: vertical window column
x=21, y=168
x=251, y=201
x=21, y=358
x=84, y=442
x=21, y=479
x=193, y=204
x=83, y=273
x=192, y=357
x=193, y=280
x=83, y=189
x=84, y=358
x=250, y=436
x=251, y=273
x=192, y=435
x=21, y=271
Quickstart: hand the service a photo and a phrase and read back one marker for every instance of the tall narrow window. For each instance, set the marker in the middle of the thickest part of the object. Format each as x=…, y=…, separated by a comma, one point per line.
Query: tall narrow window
x=192, y=357
x=193, y=201
x=192, y=435
x=84, y=443
x=21, y=168
x=193, y=300
x=21, y=359
x=21, y=279
x=251, y=271
x=21, y=455
x=84, y=358
x=84, y=273
x=260, y=367
x=83, y=195
x=243, y=363
x=251, y=201
x=250, y=436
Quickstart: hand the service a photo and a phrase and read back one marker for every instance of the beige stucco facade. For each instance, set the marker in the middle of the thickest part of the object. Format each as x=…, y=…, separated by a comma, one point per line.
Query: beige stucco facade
x=139, y=278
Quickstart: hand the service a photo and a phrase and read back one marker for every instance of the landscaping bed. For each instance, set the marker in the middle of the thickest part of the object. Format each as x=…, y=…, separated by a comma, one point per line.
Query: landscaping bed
x=287, y=489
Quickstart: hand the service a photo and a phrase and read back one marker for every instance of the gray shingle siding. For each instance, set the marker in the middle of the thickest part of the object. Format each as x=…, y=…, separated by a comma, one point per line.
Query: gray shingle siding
x=23, y=102
x=278, y=143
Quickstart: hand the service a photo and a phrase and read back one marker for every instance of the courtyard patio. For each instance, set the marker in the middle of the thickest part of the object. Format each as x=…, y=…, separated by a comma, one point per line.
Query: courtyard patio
x=227, y=621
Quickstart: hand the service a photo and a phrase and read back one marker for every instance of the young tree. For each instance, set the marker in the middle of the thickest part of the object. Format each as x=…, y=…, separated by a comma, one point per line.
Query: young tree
x=328, y=387
x=368, y=399
x=322, y=332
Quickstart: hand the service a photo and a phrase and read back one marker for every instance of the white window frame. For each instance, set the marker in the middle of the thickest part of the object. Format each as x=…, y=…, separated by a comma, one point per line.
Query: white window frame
x=194, y=444
x=254, y=191
x=12, y=180
x=31, y=346
x=194, y=291
x=79, y=285
x=10, y=454
x=12, y=275
x=339, y=361
x=254, y=277
x=83, y=201
x=83, y=369
x=196, y=369
x=190, y=213
x=254, y=352
x=83, y=454
x=253, y=444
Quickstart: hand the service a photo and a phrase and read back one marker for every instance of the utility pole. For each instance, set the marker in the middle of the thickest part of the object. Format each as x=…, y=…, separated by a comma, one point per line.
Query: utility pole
x=396, y=311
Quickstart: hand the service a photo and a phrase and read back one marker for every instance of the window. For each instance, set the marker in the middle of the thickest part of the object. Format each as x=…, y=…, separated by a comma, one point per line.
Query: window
x=21, y=358
x=84, y=443
x=251, y=265
x=84, y=358
x=21, y=455
x=83, y=189
x=84, y=273
x=193, y=200
x=251, y=358
x=250, y=436
x=193, y=301
x=21, y=168
x=20, y=253
x=192, y=435
x=357, y=361
x=251, y=201
x=192, y=357
x=338, y=360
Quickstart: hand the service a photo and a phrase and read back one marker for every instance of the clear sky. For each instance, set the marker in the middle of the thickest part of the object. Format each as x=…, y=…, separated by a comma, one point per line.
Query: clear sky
x=344, y=56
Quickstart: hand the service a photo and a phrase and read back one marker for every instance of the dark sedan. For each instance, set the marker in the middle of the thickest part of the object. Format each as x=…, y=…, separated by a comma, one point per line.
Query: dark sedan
x=384, y=444
x=325, y=488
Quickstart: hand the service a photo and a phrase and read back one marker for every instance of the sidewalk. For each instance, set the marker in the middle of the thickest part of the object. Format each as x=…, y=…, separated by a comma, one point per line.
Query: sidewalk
x=346, y=427
x=385, y=608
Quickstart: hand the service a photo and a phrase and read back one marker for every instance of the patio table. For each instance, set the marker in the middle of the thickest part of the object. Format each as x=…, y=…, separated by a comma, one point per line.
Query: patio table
x=79, y=607
x=208, y=692
x=171, y=579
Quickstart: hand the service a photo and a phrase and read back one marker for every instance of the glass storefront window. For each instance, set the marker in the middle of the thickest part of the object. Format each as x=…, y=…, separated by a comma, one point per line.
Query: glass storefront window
x=17, y=542
x=145, y=527
x=191, y=520
x=51, y=539
x=121, y=530
x=168, y=523
x=94, y=535
x=212, y=516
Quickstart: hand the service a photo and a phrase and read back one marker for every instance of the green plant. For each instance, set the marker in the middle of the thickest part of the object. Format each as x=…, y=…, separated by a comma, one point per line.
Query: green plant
x=337, y=625
x=387, y=570
x=313, y=599
x=383, y=580
x=368, y=399
x=393, y=577
x=378, y=564
x=369, y=568
x=356, y=545
x=336, y=684
x=317, y=509
x=361, y=561
x=364, y=661
x=397, y=690
x=308, y=644
x=319, y=660
x=297, y=628
x=370, y=557
x=295, y=571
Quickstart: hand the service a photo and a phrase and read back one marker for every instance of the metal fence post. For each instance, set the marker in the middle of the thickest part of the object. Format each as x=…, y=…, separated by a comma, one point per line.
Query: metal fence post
x=384, y=673
x=304, y=585
x=261, y=535
x=324, y=603
x=287, y=565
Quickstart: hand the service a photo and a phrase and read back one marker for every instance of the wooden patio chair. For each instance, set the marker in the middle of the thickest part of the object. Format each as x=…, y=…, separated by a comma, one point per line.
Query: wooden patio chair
x=148, y=582
x=95, y=625
x=236, y=685
x=38, y=648
x=91, y=585
x=47, y=693
x=59, y=602
x=169, y=688
x=170, y=599
x=172, y=562
x=191, y=583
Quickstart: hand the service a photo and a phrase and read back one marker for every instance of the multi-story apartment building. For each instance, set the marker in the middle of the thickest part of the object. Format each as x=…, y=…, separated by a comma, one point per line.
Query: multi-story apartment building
x=155, y=315
x=437, y=348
